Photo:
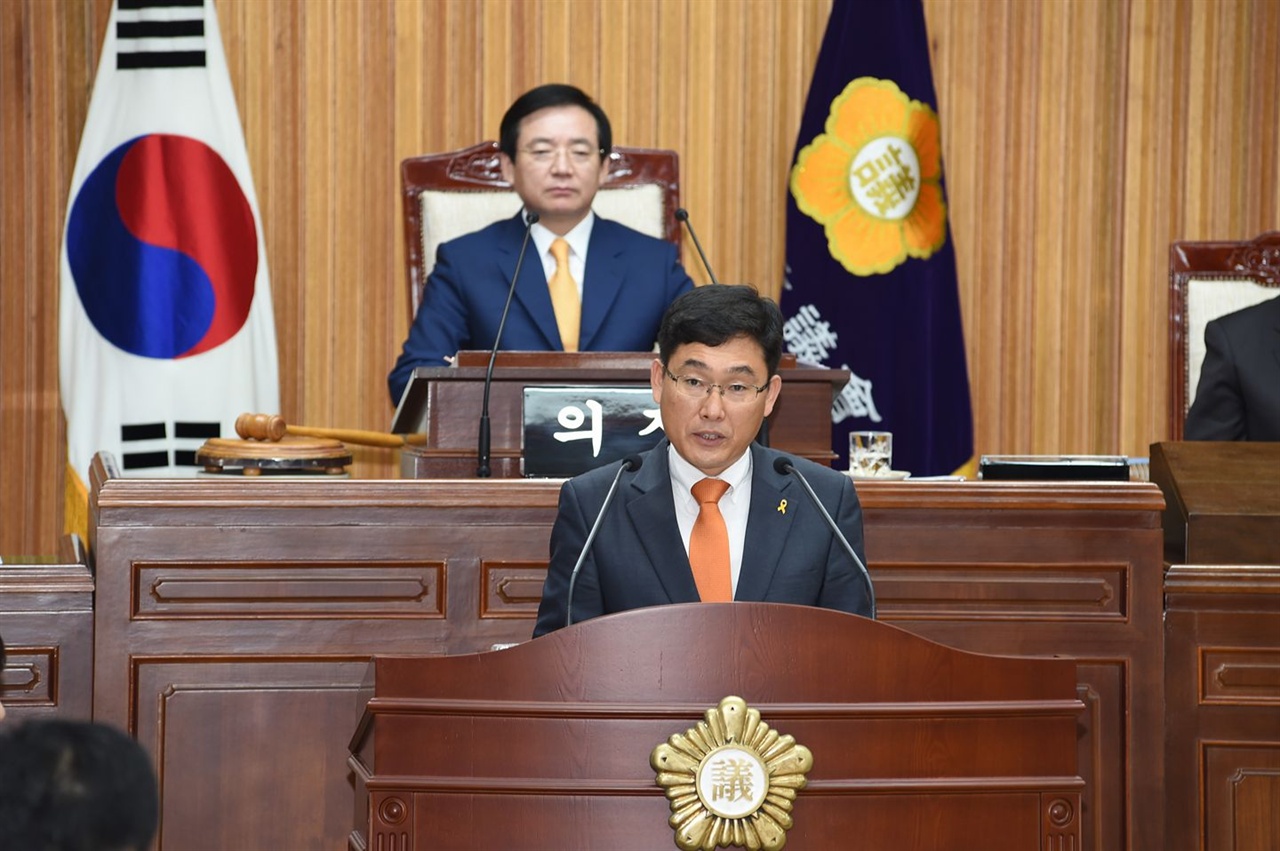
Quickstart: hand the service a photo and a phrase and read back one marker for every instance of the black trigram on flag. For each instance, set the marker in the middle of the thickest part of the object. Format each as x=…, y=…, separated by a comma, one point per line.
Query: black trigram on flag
x=160, y=34
x=146, y=445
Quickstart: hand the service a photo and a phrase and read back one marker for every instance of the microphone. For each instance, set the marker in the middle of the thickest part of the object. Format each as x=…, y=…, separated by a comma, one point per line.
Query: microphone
x=785, y=467
x=683, y=215
x=631, y=462
x=482, y=451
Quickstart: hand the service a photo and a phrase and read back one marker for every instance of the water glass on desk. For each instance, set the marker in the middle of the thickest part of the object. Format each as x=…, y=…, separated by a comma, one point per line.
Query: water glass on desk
x=870, y=453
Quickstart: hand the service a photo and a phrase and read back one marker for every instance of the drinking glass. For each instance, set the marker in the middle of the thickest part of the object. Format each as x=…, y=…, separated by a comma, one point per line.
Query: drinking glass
x=870, y=453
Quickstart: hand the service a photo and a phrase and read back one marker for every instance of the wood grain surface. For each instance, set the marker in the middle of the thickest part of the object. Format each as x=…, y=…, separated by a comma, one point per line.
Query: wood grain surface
x=1079, y=139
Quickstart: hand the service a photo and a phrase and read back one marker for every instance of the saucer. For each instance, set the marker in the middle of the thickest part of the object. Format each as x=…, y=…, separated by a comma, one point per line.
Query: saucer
x=888, y=476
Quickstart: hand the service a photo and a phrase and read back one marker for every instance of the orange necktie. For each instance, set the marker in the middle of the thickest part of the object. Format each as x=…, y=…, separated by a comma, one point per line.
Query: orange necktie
x=564, y=297
x=709, y=544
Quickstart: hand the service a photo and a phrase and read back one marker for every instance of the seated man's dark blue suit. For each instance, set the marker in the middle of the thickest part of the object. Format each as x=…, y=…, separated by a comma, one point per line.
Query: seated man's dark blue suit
x=629, y=280
x=638, y=558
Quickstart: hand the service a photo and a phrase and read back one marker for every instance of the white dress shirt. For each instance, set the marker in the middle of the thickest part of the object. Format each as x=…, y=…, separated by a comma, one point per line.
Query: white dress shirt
x=735, y=505
x=578, y=239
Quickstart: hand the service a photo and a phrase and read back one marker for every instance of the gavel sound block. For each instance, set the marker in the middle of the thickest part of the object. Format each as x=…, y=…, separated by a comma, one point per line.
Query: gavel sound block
x=289, y=454
x=265, y=447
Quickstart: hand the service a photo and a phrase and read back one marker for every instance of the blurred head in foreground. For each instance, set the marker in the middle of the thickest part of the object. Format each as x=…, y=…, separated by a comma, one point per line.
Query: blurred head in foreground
x=74, y=786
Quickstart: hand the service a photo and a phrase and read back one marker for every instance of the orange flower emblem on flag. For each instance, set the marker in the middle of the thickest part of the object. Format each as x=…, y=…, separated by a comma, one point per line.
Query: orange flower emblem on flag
x=873, y=179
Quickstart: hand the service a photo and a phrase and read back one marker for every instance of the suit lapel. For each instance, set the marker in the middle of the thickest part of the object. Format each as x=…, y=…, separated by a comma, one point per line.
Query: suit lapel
x=1275, y=329
x=768, y=525
x=653, y=513
x=531, y=290
x=605, y=271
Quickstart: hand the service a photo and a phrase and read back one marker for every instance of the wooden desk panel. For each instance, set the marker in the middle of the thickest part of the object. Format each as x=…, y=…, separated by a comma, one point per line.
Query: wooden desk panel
x=295, y=583
x=1222, y=673
x=236, y=619
x=1045, y=569
x=46, y=618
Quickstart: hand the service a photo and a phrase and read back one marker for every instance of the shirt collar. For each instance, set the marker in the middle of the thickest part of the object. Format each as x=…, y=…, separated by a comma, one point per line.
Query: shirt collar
x=578, y=238
x=686, y=475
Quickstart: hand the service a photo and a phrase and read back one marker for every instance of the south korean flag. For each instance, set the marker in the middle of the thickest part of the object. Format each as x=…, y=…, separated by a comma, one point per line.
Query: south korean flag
x=166, y=325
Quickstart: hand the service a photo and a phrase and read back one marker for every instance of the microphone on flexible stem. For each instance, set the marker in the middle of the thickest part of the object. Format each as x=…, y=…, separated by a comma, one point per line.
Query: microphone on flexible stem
x=683, y=215
x=631, y=462
x=482, y=452
x=785, y=467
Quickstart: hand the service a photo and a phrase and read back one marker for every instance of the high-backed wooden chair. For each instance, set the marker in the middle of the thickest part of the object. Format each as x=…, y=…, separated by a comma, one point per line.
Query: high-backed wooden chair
x=1208, y=280
x=457, y=192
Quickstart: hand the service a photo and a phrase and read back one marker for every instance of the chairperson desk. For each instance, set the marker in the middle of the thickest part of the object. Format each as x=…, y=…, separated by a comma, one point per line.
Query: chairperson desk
x=445, y=403
x=1037, y=569
x=1222, y=641
x=235, y=621
x=236, y=618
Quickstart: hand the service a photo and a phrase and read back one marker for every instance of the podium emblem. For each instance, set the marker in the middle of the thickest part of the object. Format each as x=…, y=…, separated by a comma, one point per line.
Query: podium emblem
x=731, y=780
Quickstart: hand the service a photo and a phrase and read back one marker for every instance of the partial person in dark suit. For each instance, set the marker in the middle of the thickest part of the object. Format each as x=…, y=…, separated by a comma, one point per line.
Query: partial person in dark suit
x=75, y=786
x=1, y=674
x=715, y=380
x=615, y=283
x=1238, y=397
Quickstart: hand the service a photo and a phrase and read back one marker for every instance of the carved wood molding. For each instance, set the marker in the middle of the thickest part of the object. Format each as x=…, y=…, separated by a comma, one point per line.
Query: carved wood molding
x=1260, y=259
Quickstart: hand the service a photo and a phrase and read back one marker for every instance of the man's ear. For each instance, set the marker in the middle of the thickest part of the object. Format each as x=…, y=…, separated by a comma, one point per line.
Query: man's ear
x=657, y=375
x=507, y=166
x=771, y=395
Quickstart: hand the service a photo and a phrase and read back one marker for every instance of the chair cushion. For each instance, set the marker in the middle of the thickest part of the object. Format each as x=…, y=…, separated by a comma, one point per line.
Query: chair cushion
x=449, y=215
x=1208, y=299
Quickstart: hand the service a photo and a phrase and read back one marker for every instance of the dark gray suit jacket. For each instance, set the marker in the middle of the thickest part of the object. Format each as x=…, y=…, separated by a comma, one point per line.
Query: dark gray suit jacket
x=638, y=558
x=1238, y=397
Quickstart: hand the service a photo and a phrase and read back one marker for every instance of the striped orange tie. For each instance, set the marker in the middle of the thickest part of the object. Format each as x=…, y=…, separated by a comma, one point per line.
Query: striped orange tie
x=709, y=544
x=564, y=297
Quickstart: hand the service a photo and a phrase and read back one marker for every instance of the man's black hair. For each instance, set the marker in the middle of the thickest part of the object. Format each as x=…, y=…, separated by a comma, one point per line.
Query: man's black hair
x=75, y=786
x=716, y=313
x=543, y=97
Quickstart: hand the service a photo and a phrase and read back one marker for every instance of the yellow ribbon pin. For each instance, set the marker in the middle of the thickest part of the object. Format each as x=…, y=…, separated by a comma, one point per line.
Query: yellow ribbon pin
x=782, y=507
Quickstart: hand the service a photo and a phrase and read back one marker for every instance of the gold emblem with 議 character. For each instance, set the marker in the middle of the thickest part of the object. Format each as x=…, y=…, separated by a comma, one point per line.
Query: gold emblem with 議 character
x=731, y=780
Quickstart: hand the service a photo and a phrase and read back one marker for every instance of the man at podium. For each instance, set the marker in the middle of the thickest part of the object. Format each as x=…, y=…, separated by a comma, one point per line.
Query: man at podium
x=586, y=284
x=708, y=515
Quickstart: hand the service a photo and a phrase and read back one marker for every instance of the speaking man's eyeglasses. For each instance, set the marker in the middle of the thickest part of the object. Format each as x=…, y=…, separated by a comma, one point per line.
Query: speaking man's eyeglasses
x=692, y=387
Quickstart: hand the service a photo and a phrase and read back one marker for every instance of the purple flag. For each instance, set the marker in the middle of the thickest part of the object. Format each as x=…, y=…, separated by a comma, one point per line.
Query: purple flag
x=871, y=275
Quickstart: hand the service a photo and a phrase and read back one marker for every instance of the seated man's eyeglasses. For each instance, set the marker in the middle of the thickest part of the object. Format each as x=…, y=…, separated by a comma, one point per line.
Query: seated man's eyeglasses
x=547, y=154
x=692, y=387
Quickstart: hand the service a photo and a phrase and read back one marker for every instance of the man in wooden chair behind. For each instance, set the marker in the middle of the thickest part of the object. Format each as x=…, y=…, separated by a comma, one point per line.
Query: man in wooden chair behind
x=1238, y=397
x=596, y=285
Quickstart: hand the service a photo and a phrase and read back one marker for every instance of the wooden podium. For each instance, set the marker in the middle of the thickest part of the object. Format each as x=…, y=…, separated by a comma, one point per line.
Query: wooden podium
x=1223, y=501
x=445, y=403
x=547, y=744
x=1222, y=642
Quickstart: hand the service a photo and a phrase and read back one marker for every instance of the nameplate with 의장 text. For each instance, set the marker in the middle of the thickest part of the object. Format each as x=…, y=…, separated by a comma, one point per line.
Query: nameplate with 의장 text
x=569, y=430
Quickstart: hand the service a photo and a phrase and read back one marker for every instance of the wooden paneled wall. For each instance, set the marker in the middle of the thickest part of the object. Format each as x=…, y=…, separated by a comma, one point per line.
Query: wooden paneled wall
x=1079, y=139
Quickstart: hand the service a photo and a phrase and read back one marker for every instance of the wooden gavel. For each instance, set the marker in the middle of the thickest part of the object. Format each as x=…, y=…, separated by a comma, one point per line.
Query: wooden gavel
x=273, y=427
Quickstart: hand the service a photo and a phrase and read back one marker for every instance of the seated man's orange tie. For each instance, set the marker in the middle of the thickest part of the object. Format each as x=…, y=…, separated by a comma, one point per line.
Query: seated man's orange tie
x=564, y=297
x=709, y=544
